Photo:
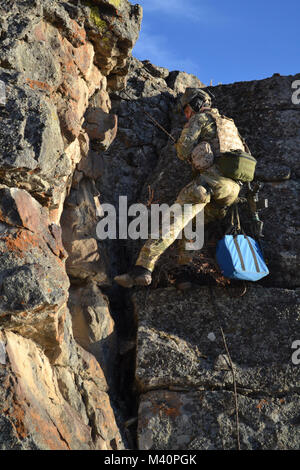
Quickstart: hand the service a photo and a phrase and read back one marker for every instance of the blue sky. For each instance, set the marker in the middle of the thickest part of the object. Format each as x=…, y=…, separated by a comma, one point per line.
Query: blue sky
x=222, y=40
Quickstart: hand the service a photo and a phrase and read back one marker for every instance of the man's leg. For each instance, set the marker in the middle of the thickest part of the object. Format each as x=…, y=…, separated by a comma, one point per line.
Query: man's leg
x=225, y=194
x=153, y=249
x=193, y=194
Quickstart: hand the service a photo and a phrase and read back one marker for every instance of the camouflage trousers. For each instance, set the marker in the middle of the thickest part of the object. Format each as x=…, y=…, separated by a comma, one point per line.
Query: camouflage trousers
x=224, y=193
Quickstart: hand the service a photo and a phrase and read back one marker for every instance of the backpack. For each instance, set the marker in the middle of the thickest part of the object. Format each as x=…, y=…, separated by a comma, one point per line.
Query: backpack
x=237, y=165
x=232, y=154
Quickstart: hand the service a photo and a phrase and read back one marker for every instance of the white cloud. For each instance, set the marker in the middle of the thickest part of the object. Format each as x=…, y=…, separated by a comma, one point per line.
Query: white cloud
x=158, y=45
x=192, y=10
x=156, y=49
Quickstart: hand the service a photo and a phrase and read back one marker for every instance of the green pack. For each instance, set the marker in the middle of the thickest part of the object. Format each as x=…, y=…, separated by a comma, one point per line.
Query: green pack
x=237, y=165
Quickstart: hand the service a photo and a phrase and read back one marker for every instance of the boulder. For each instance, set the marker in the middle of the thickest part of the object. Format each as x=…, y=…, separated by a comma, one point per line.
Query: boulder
x=93, y=326
x=48, y=79
x=184, y=376
x=41, y=409
x=101, y=127
x=33, y=280
x=113, y=28
x=33, y=413
x=78, y=222
x=205, y=420
x=175, y=346
x=180, y=81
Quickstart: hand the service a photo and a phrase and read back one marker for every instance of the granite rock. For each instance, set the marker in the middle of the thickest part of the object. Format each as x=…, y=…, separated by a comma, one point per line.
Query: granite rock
x=205, y=420
x=174, y=347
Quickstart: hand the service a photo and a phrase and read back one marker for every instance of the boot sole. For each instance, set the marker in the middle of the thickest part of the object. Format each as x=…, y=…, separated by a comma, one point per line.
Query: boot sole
x=141, y=281
x=124, y=281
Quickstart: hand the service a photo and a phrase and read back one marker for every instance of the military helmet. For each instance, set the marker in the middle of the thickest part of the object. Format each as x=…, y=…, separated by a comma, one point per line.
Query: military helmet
x=194, y=97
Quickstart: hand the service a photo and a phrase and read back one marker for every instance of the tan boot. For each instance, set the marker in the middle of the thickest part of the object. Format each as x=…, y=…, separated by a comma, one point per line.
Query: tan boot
x=138, y=276
x=124, y=280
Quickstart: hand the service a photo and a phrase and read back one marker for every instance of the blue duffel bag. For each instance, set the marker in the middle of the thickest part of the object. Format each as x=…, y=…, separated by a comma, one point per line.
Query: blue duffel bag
x=239, y=257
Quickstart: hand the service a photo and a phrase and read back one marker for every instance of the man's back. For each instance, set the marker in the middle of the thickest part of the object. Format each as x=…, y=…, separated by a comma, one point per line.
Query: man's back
x=209, y=126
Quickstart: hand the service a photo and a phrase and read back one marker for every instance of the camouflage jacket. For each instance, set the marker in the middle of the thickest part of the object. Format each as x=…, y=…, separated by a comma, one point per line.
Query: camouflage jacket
x=202, y=126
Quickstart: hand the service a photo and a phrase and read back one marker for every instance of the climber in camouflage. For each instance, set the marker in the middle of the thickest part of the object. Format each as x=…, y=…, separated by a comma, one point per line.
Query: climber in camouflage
x=205, y=136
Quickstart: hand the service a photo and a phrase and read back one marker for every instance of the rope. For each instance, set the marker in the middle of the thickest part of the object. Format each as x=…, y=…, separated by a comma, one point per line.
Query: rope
x=154, y=121
x=219, y=320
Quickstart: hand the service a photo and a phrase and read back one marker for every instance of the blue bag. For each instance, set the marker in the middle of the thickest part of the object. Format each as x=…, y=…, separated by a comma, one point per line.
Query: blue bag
x=240, y=257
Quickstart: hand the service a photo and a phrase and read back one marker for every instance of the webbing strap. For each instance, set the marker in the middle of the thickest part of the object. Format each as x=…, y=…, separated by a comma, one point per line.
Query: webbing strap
x=241, y=256
x=239, y=252
x=253, y=254
x=235, y=226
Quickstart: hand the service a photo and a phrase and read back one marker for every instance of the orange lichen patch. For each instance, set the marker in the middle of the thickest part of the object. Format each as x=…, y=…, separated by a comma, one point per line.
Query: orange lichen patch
x=261, y=404
x=3, y=217
x=50, y=433
x=41, y=85
x=164, y=409
x=18, y=416
x=21, y=242
x=172, y=412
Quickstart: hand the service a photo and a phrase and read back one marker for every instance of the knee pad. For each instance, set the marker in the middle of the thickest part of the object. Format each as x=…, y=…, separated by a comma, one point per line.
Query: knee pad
x=202, y=194
x=193, y=193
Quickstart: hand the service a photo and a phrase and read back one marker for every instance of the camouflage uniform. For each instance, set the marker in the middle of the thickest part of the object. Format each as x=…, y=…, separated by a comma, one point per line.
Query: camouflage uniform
x=201, y=127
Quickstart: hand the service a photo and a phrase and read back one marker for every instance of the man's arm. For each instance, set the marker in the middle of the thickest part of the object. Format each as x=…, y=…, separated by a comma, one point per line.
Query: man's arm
x=189, y=136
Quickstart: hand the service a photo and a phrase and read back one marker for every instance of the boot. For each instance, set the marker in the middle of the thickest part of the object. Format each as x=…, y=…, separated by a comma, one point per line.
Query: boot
x=183, y=286
x=138, y=276
x=183, y=283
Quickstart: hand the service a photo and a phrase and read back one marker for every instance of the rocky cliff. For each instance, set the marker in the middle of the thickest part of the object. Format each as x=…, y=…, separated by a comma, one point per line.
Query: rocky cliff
x=79, y=356
x=182, y=375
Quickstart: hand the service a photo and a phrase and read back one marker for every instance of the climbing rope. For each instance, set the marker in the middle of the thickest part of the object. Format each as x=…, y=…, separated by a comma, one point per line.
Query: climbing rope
x=219, y=320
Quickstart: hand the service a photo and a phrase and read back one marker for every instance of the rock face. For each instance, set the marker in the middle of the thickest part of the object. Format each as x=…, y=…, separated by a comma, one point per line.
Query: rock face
x=93, y=326
x=34, y=412
x=185, y=384
x=180, y=349
x=189, y=358
x=56, y=59
x=268, y=119
x=74, y=135
x=204, y=420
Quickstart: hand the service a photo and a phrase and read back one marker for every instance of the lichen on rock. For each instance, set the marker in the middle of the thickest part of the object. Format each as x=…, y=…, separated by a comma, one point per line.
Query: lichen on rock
x=54, y=394
x=75, y=350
